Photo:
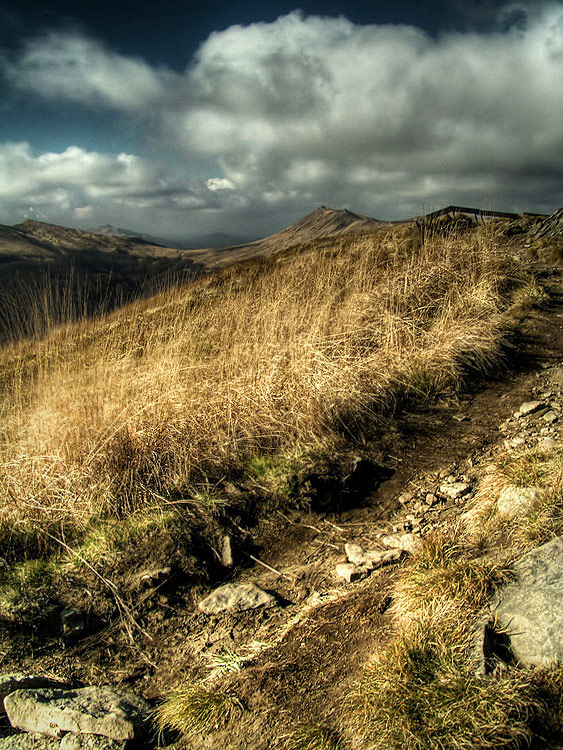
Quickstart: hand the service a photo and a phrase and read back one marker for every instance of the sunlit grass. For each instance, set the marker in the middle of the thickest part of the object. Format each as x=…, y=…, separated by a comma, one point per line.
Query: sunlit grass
x=159, y=401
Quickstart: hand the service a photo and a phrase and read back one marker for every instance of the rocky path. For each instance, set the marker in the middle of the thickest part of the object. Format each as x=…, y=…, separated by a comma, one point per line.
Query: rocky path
x=327, y=576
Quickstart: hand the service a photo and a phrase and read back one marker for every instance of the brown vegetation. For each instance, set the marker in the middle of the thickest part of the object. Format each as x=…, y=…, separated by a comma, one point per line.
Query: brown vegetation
x=307, y=351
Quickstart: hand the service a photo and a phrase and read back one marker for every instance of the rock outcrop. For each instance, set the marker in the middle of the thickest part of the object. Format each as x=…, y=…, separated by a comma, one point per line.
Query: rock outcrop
x=530, y=608
x=108, y=711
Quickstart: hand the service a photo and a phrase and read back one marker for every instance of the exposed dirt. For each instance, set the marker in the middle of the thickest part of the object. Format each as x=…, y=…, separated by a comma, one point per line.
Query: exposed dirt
x=305, y=653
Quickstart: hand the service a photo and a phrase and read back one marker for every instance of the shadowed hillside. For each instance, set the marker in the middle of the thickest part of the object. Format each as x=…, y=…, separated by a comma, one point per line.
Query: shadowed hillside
x=51, y=274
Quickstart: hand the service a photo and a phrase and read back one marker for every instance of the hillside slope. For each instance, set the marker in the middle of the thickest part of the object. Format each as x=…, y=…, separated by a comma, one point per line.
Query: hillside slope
x=247, y=427
x=51, y=274
x=322, y=222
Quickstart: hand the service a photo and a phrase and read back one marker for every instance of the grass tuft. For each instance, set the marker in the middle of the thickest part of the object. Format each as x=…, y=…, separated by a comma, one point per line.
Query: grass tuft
x=314, y=737
x=532, y=527
x=195, y=709
x=422, y=693
x=445, y=572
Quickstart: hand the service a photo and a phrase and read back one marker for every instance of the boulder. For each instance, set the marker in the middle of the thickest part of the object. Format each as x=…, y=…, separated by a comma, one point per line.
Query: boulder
x=530, y=608
x=28, y=741
x=11, y=681
x=516, y=501
x=236, y=597
x=111, y=712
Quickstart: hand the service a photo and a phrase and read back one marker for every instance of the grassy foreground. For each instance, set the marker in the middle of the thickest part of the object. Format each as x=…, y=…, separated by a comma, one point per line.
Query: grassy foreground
x=130, y=424
x=158, y=402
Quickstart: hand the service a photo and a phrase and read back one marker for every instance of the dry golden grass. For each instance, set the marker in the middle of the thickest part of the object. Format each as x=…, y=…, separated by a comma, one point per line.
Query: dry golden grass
x=305, y=351
x=541, y=469
x=448, y=571
x=422, y=693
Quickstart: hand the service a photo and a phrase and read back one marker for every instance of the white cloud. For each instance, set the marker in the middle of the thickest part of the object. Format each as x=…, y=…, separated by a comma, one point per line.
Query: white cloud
x=310, y=110
x=219, y=183
x=79, y=186
x=65, y=65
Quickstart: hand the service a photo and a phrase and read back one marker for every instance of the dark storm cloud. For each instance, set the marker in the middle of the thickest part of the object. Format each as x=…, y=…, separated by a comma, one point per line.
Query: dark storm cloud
x=307, y=110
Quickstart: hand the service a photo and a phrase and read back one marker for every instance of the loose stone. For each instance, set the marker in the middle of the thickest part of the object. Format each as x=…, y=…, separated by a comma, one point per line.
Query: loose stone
x=410, y=543
x=236, y=597
x=111, y=712
x=351, y=572
x=12, y=681
x=371, y=559
x=455, y=490
x=528, y=407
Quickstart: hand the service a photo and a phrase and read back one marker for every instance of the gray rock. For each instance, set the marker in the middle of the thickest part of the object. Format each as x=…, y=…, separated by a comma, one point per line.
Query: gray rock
x=529, y=407
x=530, y=608
x=410, y=543
x=11, y=681
x=351, y=572
x=550, y=417
x=28, y=741
x=516, y=501
x=455, y=490
x=89, y=742
x=516, y=442
x=108, y=711
x=236, y=597
x=371, y=558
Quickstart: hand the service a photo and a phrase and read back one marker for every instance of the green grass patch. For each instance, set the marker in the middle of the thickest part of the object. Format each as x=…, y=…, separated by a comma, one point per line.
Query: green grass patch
x=25, y=590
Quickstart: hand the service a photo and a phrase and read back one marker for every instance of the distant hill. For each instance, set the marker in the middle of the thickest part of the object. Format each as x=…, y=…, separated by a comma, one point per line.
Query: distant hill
x=79, y=272
x=211, y=240
x=322, y=222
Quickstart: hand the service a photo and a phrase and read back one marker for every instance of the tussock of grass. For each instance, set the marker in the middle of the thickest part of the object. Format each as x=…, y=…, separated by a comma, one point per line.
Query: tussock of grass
x=314, y=737
x=539, y=524
x=446, y=572
x=171, y=394
x=422, y=693
x=195, y=709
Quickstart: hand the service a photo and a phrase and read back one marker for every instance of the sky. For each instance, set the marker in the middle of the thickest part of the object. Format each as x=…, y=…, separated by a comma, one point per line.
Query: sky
x=177, y=119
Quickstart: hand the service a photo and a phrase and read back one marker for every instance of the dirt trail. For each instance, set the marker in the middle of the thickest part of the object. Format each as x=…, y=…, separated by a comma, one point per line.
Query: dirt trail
x=310, y=672
x=308, y=650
